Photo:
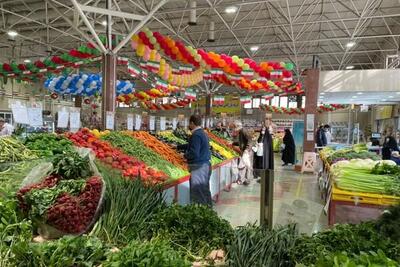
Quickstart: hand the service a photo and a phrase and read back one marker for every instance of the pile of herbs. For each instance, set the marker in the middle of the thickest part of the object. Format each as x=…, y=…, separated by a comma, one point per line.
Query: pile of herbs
x=66, y=251
x=363, y=259
x=149, y=253
x=128, y=209
x=254, y=245
x=193, y=229
x=352, y=239
x=70, y=165
x=47, y=144
x=348, y=154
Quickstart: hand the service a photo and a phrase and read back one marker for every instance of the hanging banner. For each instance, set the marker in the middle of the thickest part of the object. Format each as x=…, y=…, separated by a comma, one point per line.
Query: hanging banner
x=138, y=122
x=245, y=99
x=129, y=122
x=110, y=120
x=152, y=123
x=63, y=118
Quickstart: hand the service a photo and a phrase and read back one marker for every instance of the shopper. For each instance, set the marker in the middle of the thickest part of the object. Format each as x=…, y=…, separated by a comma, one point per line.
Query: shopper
x=245, y=164
x=389, y=144
x=321, y=137
x=264, y=159
x=198, y=155
x=289, y=150
x=6, y=129
x=328, y=134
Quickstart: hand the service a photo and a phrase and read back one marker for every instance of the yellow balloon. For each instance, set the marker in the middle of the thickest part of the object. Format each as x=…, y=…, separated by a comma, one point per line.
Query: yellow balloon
x=235, y=58
x=246, y=66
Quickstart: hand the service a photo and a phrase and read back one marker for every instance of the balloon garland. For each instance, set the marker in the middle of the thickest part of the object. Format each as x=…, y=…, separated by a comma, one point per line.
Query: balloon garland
x=176, y=50
x=299, y=111
x=84, y=85
x=152, y=106
x=147, y=45
x=33, y=71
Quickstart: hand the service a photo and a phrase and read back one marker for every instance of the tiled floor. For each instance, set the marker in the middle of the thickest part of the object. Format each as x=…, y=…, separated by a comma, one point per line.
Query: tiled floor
x=296, y=199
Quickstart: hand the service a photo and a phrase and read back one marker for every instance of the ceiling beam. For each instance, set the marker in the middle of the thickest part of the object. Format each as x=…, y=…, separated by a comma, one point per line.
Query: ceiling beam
x=111, y=12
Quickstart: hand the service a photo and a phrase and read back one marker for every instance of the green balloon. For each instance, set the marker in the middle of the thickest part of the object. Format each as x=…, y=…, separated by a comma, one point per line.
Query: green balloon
x=289, y=66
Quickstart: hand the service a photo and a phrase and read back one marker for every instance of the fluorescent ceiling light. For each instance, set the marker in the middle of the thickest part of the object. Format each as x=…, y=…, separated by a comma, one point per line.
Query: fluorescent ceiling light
x=354, y=96
x=322, y=93
x=104, y=23
x=350, y=67
x=350, y=44
x=27, y=61
x=254, y=48
x=390, y=96
x=12, y=33
x=231, y=9
x=383, y=100
x=359, y=93
x=398, y=93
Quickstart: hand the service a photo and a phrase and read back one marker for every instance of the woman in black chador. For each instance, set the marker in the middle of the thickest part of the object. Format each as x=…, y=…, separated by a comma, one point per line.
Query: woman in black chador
x=289, y=150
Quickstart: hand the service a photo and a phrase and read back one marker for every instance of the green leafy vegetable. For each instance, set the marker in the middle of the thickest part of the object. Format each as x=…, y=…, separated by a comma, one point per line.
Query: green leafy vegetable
x=257, y=246
x=70, y=165
x=196, y=229
x=47, y=144
x=156, y=253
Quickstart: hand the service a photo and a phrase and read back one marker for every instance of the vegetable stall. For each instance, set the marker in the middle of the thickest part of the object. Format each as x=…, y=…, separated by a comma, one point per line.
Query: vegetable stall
x=136, y=226
x=357, y=179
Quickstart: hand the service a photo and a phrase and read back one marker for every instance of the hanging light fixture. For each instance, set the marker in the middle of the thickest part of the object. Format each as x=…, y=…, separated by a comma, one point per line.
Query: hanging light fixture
x=192, y=13
x=211, y=31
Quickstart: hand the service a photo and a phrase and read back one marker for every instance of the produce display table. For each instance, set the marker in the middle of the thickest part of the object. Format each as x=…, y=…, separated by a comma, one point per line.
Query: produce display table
x=340, y=197
x=222, y=177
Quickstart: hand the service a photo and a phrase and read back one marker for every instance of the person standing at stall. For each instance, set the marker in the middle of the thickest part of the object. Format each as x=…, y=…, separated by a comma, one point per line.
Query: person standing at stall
x=389, y=144
x=198, y=155
x=6, y=129
x=289, y=150
x=245, y=164
x=264, y=156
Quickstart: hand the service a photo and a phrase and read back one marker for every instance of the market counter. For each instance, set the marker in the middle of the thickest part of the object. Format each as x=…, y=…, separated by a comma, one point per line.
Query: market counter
x=222, y=177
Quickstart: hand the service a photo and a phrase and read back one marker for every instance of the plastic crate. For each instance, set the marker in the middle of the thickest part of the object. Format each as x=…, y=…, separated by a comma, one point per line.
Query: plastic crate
x=364, y=198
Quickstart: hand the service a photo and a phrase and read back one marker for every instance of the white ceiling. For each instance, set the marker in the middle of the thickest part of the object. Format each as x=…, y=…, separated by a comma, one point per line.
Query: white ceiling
x=367, y=98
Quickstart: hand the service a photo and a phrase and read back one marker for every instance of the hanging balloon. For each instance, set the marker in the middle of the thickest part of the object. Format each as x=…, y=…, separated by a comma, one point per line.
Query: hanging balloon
x=86, y=101
x=54, y=96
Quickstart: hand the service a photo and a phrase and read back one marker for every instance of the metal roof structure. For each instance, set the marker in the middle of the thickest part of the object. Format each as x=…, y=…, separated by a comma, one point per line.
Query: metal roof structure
x=343, y=34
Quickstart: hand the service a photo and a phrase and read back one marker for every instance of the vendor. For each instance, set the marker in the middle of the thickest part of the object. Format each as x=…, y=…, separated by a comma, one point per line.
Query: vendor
x=219, y=128
x=6, y=129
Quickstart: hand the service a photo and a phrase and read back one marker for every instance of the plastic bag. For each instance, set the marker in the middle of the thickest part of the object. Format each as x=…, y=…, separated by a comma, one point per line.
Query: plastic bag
x=42, y=171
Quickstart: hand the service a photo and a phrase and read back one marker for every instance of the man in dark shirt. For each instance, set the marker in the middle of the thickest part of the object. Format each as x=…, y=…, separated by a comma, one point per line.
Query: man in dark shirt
x=198, y=155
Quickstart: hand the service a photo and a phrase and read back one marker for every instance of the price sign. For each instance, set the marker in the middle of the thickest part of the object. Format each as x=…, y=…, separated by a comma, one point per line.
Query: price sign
x=138, y=122
x=74, y=120
x=35, y=116
x=63, y=117
x=110, y=120
x=129, y=122
x=152, y=123
x=20, y=114
x=162, y=124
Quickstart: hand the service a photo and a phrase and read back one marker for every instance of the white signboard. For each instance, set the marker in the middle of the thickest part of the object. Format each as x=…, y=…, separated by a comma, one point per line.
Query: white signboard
x=35, y=116
x=152, y=123
x=20, y=114
x=162, y=123
x=74, y=120
x=138, y=122
x=174, y=123
x=63, y=117
x=186, y=123
x=110, y=120
x=129, y=122
x=310, y=136
x=310, y=122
